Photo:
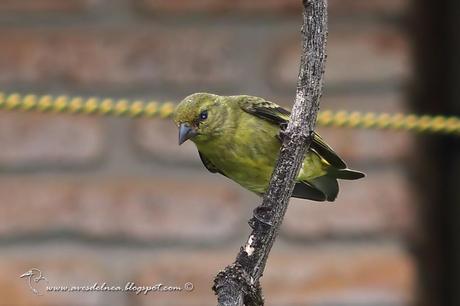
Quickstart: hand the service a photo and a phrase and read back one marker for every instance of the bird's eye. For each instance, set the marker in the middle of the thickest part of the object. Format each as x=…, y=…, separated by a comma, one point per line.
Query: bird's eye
x=204, y=115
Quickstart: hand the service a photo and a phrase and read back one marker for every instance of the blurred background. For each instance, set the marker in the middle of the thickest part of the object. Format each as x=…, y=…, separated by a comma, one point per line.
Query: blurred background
x=107, y=200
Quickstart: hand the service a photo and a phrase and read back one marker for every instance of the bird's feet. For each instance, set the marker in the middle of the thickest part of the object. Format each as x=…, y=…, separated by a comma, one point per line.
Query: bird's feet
x=282, y=132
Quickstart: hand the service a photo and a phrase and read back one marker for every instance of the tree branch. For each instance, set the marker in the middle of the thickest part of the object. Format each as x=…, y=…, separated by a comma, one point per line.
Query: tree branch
x=239, y=283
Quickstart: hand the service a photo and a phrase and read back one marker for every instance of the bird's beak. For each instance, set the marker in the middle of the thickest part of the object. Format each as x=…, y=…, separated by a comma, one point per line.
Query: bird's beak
x=26, y=274
x=186, y=132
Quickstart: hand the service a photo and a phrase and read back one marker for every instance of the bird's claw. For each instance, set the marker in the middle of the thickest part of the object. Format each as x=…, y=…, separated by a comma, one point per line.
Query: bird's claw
x=282, y=132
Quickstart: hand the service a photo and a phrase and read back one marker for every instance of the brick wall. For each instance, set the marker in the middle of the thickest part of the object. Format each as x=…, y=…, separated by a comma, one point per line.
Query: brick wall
x=91, y=200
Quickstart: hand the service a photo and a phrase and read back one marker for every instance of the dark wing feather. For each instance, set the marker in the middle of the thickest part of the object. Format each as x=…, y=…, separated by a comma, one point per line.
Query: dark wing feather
x=304, y=190
x=264, y=109
x=325, y=151
x=276, y=114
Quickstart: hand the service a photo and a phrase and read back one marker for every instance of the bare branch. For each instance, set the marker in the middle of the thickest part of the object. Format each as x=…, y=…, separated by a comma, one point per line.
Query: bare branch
x=239, y=283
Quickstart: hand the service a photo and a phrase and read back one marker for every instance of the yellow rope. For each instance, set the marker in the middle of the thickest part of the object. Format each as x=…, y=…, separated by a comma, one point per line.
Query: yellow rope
x=125, y=108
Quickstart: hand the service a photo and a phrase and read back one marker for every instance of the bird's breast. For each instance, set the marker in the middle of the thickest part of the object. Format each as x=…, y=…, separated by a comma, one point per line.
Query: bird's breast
x=247, y=157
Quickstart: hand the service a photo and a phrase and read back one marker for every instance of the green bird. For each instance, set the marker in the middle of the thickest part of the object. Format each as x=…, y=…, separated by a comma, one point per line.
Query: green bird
x=240, y=138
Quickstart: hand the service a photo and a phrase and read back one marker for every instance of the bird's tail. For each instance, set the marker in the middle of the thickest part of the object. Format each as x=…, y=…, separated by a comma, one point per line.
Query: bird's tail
x=345, y=174
x=326, y=187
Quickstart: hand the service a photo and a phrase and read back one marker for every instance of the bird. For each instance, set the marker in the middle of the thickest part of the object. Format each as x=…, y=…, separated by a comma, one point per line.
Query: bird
x=240, y=137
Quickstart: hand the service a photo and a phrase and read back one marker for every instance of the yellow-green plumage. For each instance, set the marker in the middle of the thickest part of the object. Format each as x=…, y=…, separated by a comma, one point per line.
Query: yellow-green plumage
x=239, y=137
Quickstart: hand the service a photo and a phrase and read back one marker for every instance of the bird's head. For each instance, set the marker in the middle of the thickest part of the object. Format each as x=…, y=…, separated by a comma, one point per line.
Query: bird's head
x=200, y=117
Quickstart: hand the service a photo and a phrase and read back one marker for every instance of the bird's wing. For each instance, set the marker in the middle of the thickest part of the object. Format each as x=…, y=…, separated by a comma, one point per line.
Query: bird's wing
x=276, y=114
x=264, y=109
x=209, y=165
x=325, y=151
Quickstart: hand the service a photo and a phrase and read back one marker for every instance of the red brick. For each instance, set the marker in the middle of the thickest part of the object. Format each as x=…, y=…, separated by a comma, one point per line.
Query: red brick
x=357, y=146
x=145, y=58
x=44, y=6
x=157, y=209
x=390, y=101
x=340, y=275
x=118, y=57
x=216, y=6
x=363, y=7
x=379, y=205
x=46, y=139
x=369, y=55
x=324, y=275
x=270, y=6
x=178, y=268
x=334, y=274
